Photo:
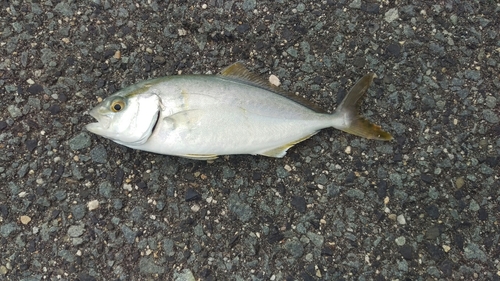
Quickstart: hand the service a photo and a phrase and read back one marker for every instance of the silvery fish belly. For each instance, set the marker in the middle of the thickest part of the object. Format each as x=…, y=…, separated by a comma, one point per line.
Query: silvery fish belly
x=236, y=112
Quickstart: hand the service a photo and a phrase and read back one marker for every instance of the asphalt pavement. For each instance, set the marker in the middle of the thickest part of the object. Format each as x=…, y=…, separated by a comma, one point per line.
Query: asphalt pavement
x=425, y=206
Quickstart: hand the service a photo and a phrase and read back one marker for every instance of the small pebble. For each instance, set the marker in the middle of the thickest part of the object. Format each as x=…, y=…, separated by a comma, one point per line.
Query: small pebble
x=127, y=187
x=318, y=273
x=192, y=195
x=92, y=205
x=491, y=116
x=294, y=247
x=309, y=257
x=446, y=248
x=490, y=102
x=195, y=208
x=273, y=79
x=3, y=125
x=299, y=203
x=474, y=206
x=400, y=241
x=14, y=111
x=459, y=182
x=406, y=251
x=35, y=89
x=54, y=109
x=76, y=230
x=184, y=275
x=401, y=219
x=99, y=154
x=80, y=141
x=391, y=15
x=348, y=150
x=3, y=270
x=25, y=219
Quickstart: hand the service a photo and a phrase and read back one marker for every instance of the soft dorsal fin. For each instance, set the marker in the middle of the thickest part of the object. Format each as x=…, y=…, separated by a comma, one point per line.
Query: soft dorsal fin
x=238, y=71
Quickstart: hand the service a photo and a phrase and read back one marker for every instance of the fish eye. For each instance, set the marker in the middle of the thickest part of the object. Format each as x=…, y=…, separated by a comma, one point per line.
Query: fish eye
x=117, y=105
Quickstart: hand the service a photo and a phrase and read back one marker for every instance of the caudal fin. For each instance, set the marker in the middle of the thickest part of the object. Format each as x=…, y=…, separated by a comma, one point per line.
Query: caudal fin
x=348, y=113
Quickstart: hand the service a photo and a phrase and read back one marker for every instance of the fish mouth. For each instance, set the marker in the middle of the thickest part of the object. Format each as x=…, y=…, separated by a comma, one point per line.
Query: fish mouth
x=103, y=122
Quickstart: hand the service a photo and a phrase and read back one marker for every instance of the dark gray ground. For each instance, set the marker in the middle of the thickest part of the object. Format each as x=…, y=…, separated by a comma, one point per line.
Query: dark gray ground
x=422, y=207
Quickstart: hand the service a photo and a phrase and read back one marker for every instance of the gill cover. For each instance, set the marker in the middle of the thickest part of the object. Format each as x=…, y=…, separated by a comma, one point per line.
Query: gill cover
x=127, y=120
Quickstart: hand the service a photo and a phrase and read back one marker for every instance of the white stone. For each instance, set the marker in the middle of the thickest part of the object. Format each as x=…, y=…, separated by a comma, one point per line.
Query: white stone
x=401, y=219
x=92, y=205
x=348, y=150
x=273, y=79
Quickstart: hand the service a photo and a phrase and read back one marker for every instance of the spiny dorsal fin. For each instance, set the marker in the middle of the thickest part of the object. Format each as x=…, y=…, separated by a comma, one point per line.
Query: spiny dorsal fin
x=238, y=71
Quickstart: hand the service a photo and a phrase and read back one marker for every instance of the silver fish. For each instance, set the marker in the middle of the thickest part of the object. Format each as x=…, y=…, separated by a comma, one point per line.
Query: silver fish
x=236, y=112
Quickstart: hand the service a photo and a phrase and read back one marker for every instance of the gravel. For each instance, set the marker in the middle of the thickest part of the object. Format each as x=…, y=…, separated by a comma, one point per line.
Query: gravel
x=99, y=154
x=75, y=206
x=76, y=230
x=80, y=141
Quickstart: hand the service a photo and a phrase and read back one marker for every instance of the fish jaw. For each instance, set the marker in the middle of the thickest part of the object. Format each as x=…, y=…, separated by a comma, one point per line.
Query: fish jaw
x=102, y=124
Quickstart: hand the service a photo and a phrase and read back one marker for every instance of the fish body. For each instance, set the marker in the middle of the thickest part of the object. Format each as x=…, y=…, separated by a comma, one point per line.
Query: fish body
x=203, y=116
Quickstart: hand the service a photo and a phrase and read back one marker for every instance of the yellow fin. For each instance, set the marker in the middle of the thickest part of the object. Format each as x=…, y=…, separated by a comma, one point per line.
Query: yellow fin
x=237, y=71
x=201, y=156
x=349, y=112
x=364, y=128
x=279, y=152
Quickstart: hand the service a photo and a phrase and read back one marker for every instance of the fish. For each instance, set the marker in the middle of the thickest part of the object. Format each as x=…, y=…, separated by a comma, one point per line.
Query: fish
x=235, y=112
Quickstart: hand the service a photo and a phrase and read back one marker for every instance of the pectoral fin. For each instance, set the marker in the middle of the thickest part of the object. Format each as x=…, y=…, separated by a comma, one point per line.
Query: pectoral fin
x=183, y=118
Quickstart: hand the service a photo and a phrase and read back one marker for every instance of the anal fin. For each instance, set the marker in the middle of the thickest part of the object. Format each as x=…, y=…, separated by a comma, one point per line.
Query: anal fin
x=277, y=152
x=280, y=151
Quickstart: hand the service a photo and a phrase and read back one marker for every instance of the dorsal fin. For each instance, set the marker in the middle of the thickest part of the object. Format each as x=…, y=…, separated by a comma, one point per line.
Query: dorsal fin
x=238, y=71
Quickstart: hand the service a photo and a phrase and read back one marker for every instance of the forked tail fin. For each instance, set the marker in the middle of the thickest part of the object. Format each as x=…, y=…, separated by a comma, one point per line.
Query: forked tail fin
x=347, y=114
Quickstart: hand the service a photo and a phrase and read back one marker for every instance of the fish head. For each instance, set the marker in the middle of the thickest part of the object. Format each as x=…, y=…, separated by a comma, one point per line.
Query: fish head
x=127, y=119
